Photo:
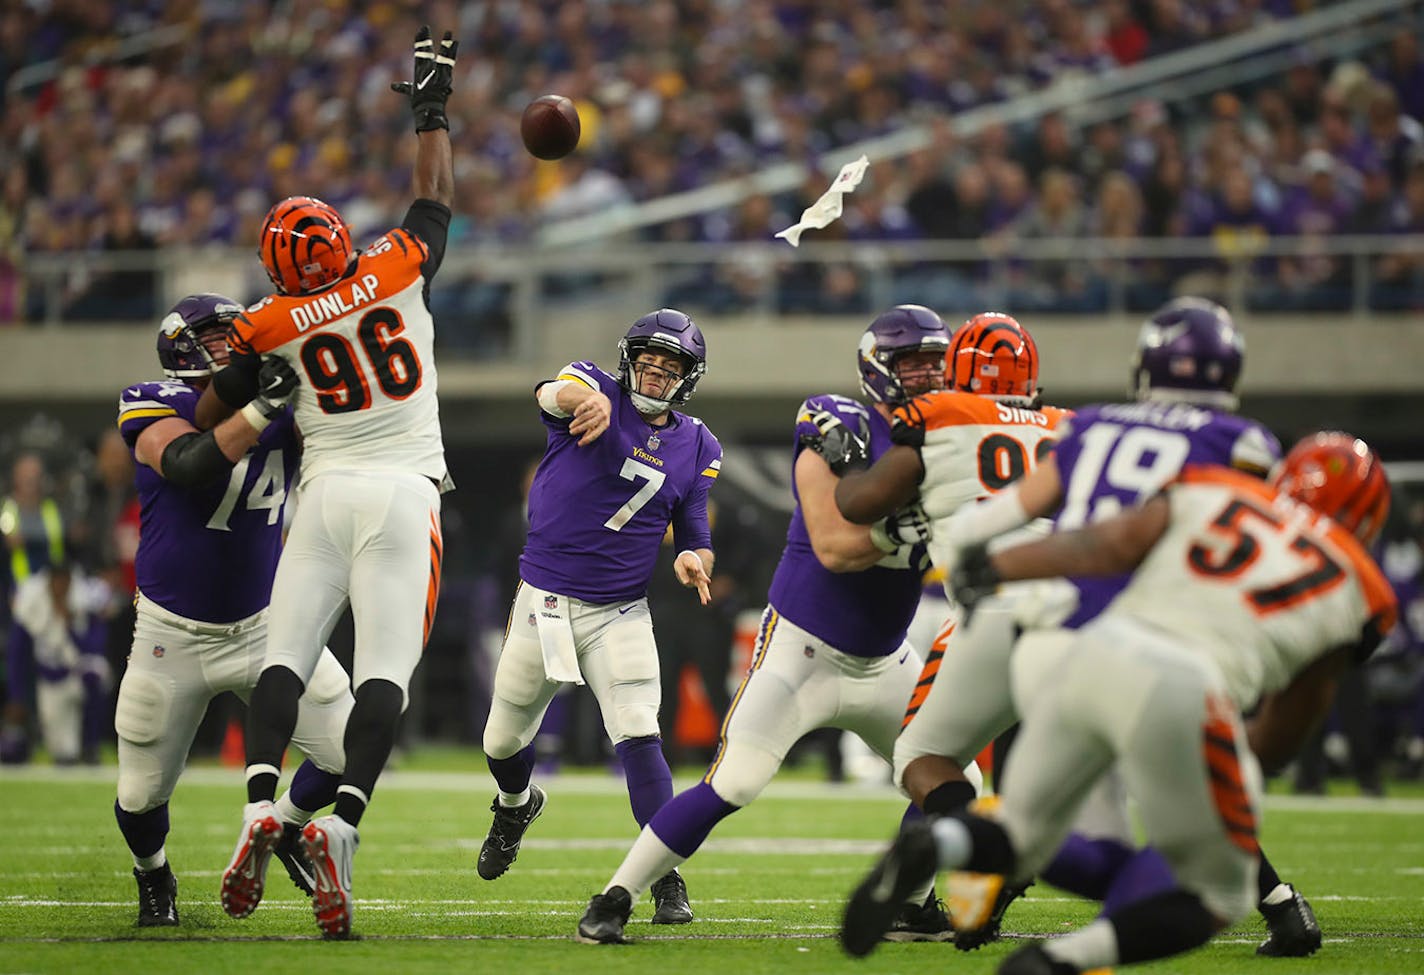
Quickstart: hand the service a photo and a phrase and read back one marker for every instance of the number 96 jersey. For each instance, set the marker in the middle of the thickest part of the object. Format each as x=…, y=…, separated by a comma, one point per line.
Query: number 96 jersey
x=364, y=348
x=208, y=553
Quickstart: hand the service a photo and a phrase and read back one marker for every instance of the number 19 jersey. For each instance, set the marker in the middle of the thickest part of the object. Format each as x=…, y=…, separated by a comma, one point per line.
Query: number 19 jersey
x=364, y=348
x=1117, y=456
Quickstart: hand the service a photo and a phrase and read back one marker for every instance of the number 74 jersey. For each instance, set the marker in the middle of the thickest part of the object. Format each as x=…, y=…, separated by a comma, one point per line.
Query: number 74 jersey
x=208, y=553
x=1256, y=581
x=364, y=349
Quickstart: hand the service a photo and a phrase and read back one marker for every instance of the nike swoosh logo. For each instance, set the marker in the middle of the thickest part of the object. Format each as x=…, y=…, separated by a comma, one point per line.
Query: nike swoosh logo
x=423, y=81
x=904, y=656
x=624, y=610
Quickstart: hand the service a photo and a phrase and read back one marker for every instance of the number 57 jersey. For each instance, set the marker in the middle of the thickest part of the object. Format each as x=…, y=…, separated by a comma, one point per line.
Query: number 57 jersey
x=209, y=553
x=1256, y=581
x=364, y=348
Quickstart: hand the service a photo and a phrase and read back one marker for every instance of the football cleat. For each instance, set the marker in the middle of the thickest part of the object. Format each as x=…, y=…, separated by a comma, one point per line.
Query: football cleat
x=1294, y=931
x=602, y=923
x=291, y=855
x=501, y=846
x=670, y=900
x=157, y=897
x=246, y=873
x=330, y=842
x=908, y=865
x=970, y=938
x=921, y=922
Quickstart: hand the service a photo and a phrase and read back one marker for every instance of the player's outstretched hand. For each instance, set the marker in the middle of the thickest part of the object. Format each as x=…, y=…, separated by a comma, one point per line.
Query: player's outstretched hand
x=973, y=578
x=433, y=80
x=842, y=448
x=591, y=418
x=692, y=573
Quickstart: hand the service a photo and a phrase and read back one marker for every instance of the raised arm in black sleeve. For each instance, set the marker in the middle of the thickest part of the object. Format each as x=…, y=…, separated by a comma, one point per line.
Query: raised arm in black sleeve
x=430, y=221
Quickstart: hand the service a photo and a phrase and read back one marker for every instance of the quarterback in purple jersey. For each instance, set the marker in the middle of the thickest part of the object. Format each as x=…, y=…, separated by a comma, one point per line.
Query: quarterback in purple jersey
x=621, y=465
x=831, y=650
x=210, y=533
x=1188, y=360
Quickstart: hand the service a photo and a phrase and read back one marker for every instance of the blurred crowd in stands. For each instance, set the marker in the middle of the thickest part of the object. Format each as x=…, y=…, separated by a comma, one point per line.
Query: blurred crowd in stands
x=186, y=144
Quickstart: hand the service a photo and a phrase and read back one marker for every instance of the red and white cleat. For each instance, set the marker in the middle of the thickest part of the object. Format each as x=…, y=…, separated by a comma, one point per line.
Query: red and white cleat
x=330, y=842
x=243, y=879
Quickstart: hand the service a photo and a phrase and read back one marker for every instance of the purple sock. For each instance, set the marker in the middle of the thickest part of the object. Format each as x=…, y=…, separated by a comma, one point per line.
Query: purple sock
x=144, y=832
x=646, y=772
x=313, y=788
x=512, y=774
x=1086, y=867
x=1146, y=875
x=685, y=820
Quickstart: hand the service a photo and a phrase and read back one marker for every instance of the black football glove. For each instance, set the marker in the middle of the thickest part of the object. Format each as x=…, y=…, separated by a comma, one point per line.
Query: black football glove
x=844, y=449
x=973, y=579
x=277, y=384
x=432, y=84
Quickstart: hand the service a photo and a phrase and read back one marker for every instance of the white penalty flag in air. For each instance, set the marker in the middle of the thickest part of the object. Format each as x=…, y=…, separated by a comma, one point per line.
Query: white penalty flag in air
x=824, y=211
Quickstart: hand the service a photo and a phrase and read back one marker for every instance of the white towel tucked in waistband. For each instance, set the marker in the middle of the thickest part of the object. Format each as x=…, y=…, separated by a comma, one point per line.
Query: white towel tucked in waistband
x=556, y=636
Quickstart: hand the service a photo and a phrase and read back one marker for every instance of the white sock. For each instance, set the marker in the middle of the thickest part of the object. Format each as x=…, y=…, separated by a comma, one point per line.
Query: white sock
x=648, y=860
x=152, y=862
x=290, y=812
x=1094, y=946
x=953, y=844
x=1279, y=895
x=510, y=800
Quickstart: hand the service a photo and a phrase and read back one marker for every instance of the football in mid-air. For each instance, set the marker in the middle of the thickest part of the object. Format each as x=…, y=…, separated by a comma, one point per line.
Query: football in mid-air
x=550, y=127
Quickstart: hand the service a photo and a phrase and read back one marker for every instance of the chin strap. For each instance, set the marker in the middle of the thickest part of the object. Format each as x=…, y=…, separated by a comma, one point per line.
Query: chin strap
x=648, y=406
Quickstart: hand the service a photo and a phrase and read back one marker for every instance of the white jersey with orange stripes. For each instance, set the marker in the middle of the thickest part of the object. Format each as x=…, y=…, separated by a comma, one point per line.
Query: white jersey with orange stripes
x=364, y=349
x=971, y=446
x=1274, y=584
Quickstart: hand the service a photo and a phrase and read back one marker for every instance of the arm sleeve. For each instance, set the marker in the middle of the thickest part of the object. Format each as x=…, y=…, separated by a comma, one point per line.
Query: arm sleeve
x=690, y=526
x=193, y=460
x=236, y=384
x=430, y=221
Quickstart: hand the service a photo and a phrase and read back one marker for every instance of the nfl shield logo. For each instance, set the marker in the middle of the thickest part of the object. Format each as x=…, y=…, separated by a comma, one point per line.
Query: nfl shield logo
x=809, y=652
x=158, y=651
x=551, y=602
x=653, y=442
x=532, y=620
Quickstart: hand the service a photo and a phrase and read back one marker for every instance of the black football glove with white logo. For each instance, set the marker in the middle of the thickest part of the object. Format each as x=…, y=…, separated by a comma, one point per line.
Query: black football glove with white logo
x=434, y=70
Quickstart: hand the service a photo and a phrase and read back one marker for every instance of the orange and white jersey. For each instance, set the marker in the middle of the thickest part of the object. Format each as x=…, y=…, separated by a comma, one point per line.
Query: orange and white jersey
x=364, y=348
x=1272, y=583
x=972, y=446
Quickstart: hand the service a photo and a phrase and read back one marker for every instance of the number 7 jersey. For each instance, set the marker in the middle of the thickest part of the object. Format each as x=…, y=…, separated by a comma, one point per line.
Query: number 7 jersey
x=364, y=348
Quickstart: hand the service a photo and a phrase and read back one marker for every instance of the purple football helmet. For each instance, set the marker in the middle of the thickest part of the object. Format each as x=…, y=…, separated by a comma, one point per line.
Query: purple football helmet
x=902, y=329
x=668, y=330
x=186, y=333
x=1189, y=350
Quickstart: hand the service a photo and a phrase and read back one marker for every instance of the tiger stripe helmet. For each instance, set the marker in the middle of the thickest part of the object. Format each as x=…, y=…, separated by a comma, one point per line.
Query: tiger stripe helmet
x=1342, y=478
x=305, y=245
x=993, y=355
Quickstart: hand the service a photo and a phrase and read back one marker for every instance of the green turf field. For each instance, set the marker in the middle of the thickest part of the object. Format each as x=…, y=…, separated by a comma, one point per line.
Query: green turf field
x=767, y=888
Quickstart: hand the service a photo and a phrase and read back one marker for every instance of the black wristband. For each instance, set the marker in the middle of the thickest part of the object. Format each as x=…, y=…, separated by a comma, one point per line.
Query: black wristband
x=193, y=460
x=430, y=117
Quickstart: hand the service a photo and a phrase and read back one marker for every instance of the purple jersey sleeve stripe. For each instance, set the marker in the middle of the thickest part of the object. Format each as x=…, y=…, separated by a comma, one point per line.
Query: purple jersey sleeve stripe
x=146, y=414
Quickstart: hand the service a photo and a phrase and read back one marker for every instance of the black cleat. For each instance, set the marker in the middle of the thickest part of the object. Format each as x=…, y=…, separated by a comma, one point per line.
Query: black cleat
x=157, y=897
x=602, y=923
x=294, y=858
x=670, y=900
x=1033, y=960
x=989, y=933
x=501, y=846
x=1294, y=931
x=921, y=922
x=910, y=863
